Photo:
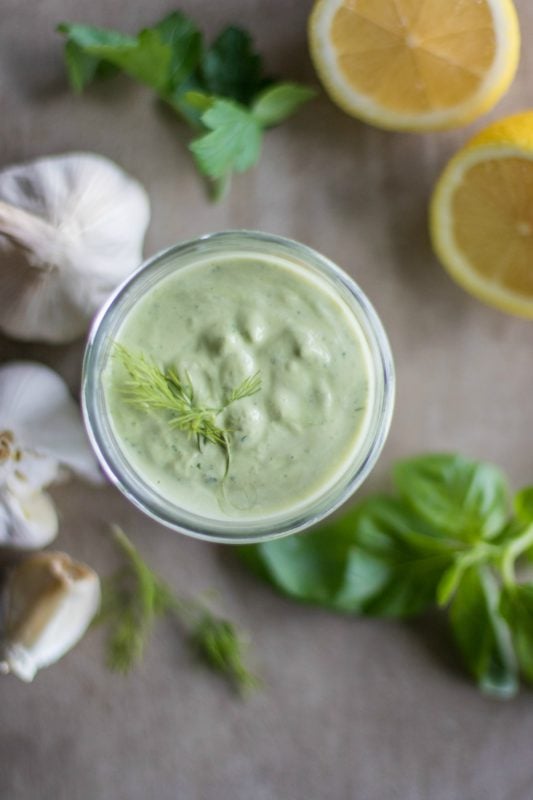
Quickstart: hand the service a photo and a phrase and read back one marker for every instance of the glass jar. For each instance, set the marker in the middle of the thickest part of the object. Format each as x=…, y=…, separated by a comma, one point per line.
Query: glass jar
x=131, y=483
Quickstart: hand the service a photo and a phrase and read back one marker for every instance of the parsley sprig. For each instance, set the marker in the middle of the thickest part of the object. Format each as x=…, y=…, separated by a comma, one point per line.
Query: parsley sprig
x=450, y=538
x=221, y=90
x=135, y=597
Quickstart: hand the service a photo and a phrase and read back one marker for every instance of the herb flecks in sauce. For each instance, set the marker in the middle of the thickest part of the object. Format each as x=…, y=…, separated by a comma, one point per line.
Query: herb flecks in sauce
x=222, y=318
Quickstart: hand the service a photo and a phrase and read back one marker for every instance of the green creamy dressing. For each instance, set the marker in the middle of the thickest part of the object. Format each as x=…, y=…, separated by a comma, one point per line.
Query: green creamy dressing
x=221, y=320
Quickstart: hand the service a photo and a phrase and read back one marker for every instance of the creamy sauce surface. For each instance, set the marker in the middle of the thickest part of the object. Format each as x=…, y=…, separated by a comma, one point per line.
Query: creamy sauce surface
x=222, y=320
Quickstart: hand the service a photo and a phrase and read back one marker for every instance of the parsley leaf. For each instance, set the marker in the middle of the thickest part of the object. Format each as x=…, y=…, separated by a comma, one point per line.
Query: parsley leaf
x=275, y=104
x=233, y=144
x=145, y=57
x=220, y=90
x=83, y=68
x=231, y=68
x=185, y=41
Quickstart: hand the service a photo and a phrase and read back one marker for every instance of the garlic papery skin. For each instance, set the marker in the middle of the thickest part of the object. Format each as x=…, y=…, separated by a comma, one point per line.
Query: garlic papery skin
x=49, y=601
x=40, y=429
x=71, y=229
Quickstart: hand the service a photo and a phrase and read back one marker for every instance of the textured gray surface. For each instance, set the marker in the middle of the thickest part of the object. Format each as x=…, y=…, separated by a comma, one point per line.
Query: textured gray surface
x=352, y=709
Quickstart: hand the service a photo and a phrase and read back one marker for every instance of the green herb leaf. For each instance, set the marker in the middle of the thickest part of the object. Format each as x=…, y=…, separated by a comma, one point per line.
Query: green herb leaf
x=200, y=101
x=467, y=500
x=415, y=553
x=517, y=609
x=218, y=642
x=233, y=144
x=276, y=103
x=211, y=89
x=448, y=538
x=482, y=634
x=322, y=567
x=523, y=505
x=145, y=57
x=186, y=45
x=131, y=600
x=377, y=559
x=231, y=68
x=250, y=386
x=81, y=66
x=135, y=596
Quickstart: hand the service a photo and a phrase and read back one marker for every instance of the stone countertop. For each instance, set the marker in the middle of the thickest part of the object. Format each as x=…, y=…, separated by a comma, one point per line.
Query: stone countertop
x=352, y=709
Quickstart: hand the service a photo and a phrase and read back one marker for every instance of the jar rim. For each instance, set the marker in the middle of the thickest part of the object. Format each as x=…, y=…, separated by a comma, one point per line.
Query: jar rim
x=139, y=492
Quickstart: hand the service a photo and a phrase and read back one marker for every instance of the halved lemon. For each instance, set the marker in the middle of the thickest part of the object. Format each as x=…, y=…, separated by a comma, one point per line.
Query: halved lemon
x=481, y=216
x=415, y=64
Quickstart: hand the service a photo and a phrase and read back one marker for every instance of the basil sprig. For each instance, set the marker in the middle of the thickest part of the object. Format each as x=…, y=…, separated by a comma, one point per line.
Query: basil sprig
x=448, y=537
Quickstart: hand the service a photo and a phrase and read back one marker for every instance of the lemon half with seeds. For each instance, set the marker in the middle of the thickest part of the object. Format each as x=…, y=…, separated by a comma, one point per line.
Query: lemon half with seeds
x=415, y=65
x=481, y=216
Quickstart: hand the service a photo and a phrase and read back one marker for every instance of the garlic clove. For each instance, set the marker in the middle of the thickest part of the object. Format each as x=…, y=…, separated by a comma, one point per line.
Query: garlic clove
x=71, y=229
x=27, y=522
x=40, y=419
x=30, y=472
x=49, y=602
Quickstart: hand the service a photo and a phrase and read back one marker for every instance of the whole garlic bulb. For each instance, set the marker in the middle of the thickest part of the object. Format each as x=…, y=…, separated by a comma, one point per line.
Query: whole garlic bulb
x=41, y=440
x=71, y=229
x=49, y=601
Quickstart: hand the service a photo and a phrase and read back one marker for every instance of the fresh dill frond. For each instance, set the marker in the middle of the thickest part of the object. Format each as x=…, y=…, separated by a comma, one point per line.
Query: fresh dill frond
x=131, y=600
x=151, y=388
x=218, y=642
x=250, y=386
x=134, y=597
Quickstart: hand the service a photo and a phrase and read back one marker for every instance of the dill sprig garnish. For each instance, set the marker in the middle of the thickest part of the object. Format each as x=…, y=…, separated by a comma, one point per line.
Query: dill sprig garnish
x=134, y=597
x=150, y=387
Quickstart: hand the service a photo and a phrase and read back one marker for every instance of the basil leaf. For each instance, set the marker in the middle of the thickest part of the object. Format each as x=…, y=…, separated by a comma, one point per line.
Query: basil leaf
x=233, y=143
x=523, y=505
x=517, y=609
x=414, y=554
x=231, y=68
x=479, y=554
x=467, y=500
x=482, y=635
x=280, y=101
x=376, y=559
x=323, y=567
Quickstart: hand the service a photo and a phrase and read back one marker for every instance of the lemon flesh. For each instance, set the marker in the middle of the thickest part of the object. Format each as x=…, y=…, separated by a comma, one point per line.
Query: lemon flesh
x=415, y=64
x=482, y=216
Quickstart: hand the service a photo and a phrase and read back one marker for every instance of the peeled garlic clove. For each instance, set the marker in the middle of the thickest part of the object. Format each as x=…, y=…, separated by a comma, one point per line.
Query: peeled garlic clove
x=27, y=522
x=71, y=229
x=38, y=419
x=49, y=602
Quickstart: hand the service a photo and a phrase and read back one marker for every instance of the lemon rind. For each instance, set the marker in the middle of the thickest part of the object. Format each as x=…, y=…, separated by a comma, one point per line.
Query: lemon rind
x=496, y=82
x=441, y=228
